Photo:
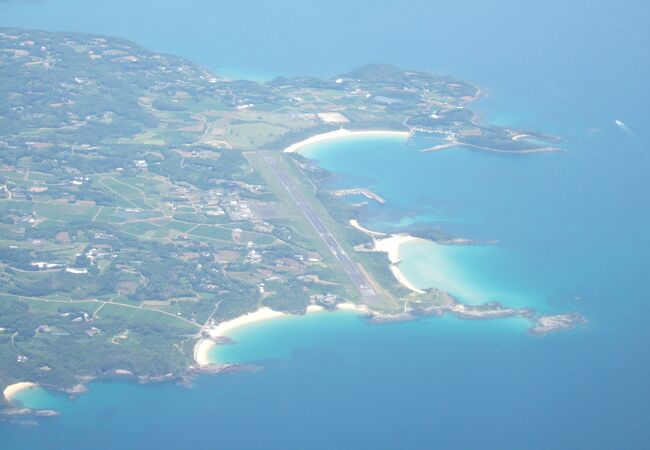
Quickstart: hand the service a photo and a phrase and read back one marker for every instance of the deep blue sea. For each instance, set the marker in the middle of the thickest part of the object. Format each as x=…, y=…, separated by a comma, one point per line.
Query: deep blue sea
x=573, y=232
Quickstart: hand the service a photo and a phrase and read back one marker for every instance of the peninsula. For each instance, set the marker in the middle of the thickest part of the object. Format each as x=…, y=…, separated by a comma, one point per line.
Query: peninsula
x=148, y=205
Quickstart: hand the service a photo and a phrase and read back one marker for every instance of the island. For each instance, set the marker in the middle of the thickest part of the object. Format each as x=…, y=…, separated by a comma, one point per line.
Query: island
x=147, y=204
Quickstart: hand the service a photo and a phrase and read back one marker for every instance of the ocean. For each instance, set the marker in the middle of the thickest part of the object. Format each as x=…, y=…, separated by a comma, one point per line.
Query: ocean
x=572, y=233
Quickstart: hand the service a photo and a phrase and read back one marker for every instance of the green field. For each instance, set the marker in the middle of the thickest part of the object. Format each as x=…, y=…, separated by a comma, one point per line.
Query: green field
x=54, y=211
x=212, y=232
x=129, y=195
x=138, y=228
x=254, y=135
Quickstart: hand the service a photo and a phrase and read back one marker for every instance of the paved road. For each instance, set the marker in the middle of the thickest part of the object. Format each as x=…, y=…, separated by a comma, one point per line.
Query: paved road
x=356, y=275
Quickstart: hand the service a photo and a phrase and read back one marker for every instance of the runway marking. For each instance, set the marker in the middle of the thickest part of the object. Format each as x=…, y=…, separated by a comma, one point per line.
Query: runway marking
x=353, y=272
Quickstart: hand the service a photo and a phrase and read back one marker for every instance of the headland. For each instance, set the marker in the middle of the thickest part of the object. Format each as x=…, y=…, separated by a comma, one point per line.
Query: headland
x=195, y=214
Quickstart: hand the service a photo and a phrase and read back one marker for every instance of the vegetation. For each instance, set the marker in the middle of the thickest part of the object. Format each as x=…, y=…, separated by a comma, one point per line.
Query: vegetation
x=135, y=206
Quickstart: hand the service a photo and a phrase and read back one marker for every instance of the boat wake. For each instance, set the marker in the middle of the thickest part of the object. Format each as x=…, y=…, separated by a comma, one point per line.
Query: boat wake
x=635, y=137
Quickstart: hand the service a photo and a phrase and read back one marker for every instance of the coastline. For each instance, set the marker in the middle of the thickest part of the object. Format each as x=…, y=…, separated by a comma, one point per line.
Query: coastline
x=355, y=224
x=386, y=244
x=202, y=351
x=341, y=133
x=204, y=346
x=391, y=245
x=315, y=309
x=13, y=389
x=262, y=314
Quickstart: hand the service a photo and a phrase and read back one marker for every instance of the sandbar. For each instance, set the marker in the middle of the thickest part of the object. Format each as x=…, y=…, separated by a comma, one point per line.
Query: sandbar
x=342, y=133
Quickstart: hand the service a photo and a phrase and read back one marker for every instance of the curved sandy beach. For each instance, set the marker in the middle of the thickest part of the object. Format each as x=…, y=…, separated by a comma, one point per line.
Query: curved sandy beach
x=391, y=246
x=13, y=389
x=260, y=315
x=202, y=351
x=342, y=133
x=203, y=347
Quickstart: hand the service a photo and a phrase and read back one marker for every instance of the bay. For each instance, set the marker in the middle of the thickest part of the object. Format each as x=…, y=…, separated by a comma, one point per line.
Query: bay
x=573, y=233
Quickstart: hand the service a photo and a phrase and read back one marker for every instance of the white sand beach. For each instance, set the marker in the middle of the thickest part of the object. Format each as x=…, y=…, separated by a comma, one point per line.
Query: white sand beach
x=349, y=306
x=315, y=309
x=260, y=315
x=202, y=351
x=342, y=133
x=355, y=223
x=391, y=246
x=403, y=280
x=13, y=389
x=203, y=347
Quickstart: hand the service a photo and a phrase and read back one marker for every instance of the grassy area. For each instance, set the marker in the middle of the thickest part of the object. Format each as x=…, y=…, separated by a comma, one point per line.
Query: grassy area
x=54, y=306
x=151, y=137
x=104, y=214
x=131, y=196
x=254, y=135
x=212, y=232
x=262, y=239
x=182, y=227
x=299, y=221
x=145, y=315
x=138, y=228
x=53, y=211
x=90, y=228
x=305, y=234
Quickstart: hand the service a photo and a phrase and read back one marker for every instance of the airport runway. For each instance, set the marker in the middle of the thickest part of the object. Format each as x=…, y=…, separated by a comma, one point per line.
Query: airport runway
x=356, y=275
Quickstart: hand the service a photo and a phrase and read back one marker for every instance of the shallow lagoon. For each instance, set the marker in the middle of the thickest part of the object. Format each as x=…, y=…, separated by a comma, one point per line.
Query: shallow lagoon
x=549, y=242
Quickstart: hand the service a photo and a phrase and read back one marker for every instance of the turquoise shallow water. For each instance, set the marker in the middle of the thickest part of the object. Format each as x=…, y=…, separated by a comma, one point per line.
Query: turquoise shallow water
x=260, y=341
x=554, y=236
x=343, y=383
x=573, y=232
x=473, y=274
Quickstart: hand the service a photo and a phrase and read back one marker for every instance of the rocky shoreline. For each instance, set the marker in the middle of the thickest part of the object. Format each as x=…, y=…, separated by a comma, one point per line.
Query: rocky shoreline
x=540, y=325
